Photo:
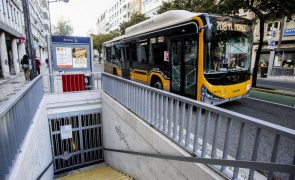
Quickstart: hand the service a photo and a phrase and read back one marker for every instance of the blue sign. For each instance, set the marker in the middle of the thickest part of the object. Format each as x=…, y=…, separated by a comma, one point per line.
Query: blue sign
x=279, y=53
x=70, y=39
x=289, y=32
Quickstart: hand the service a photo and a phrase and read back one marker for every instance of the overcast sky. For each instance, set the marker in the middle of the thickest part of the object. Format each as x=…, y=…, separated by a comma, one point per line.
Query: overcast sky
x=82, y=14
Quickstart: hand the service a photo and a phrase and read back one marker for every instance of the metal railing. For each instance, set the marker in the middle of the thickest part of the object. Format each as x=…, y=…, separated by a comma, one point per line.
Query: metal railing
x=258, y=148
x=16, y=116
x=285, y=72
x=71, y=82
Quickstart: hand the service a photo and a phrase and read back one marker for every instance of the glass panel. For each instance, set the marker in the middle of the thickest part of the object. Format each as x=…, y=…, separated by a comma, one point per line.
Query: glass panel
x=190, y=72
x=176, y=65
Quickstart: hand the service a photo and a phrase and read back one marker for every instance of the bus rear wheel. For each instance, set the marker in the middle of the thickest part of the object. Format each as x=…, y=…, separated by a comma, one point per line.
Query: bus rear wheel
x=115, y=72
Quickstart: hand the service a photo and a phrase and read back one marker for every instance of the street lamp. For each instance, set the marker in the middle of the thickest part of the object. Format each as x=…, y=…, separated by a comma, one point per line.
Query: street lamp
x=49, y=46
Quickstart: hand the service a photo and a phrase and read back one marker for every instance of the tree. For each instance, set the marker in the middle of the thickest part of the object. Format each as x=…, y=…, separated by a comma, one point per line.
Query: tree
x=208, y=6
x=134, y=19
x=264, y=10
x=99, y=39
x=63, y=28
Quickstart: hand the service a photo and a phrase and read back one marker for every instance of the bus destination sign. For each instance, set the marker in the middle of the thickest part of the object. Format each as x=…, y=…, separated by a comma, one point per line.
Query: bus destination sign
x=229, y=26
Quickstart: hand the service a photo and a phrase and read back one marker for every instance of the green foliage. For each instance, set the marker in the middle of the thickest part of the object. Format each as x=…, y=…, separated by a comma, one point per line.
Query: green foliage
x=63, y=28
x=208, y=6
x=99, y=39
x=134, y=19
x=265, y=9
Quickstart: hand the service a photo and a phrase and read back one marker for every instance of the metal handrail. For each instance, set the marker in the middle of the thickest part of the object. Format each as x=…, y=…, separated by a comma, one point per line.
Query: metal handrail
x=6, y=106
x=173, y=115
x=290, y=133
x=16, y=116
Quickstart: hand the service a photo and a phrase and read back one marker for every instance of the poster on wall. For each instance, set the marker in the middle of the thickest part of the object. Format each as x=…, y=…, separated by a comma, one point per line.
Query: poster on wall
x=71, y=57
x=79, y=57
x=278, y=59
x=64, y=57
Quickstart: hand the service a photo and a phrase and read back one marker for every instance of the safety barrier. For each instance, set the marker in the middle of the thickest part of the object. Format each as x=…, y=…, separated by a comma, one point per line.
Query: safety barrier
x=71, y=82
x=16, y=116
x=285, y=72
x=236, y=145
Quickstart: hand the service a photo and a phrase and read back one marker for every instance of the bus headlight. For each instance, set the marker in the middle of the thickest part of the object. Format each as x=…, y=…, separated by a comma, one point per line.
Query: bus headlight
x=208, y=97
x=248, y=87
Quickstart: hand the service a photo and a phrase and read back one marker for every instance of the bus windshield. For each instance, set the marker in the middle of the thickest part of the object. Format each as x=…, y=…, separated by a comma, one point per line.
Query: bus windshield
x=229, y=49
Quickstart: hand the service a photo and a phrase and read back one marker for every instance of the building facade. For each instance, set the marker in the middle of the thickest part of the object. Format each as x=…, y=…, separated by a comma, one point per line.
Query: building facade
x=12, y=34
x=39, y=16
x=11, y=37
x=150, y=7
x=118, y=13
x=278, y=53
x=102, y=25
x=121, y=10
x=111, y=19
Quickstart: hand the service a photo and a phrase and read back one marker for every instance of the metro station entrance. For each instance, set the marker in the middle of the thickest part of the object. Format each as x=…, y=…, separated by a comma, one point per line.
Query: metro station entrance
x=76, y=140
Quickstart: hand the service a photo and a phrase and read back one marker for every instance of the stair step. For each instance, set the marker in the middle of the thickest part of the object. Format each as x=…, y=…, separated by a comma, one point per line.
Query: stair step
x=102, y=171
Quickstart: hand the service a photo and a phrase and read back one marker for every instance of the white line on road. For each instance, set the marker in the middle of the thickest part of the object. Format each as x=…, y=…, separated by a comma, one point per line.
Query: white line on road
x=271, y=102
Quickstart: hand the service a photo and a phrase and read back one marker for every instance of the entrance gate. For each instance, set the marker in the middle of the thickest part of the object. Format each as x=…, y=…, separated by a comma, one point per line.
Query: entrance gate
x=76, y=140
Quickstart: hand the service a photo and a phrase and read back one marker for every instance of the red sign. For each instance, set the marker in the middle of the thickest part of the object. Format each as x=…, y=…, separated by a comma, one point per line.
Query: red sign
x=21, y=39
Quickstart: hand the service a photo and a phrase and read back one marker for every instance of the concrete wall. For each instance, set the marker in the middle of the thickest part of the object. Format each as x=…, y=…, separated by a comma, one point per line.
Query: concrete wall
x=35, y=153
x=73, y=102
x=123, y=130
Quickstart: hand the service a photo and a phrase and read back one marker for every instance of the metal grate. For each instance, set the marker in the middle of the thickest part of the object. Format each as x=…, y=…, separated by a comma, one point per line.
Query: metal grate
x=76, y=141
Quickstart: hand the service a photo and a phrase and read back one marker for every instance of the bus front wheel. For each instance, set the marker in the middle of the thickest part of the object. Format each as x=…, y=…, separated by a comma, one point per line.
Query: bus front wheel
x=157, y=84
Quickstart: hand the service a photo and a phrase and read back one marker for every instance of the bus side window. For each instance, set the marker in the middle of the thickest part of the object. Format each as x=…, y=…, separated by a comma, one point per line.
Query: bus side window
x=143, y=51
x=108, y=53
x=157, y=50
x=132, y=52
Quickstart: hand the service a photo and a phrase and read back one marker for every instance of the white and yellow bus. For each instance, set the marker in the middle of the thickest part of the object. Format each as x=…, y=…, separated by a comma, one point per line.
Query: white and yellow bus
x=202, y=56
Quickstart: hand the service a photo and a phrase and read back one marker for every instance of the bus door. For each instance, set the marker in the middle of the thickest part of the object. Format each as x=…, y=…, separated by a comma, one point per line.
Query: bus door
x=126, y=63
x=184, y=66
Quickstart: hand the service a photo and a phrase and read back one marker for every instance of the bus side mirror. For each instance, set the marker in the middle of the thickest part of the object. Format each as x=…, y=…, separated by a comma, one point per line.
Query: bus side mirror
x=207, y=32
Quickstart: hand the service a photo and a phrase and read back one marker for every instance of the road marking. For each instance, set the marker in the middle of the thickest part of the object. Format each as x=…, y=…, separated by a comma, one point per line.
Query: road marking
x=270, y=102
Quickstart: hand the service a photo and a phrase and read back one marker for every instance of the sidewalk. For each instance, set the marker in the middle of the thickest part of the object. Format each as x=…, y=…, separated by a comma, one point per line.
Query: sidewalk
x=276, y=85
x=9, y=87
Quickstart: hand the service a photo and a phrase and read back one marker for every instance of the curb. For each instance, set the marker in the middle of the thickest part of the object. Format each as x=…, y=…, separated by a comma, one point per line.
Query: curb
x=279, y=92
x=282, y=79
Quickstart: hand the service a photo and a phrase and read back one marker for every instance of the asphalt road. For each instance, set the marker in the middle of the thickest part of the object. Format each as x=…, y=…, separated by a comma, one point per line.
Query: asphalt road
x=270, y=112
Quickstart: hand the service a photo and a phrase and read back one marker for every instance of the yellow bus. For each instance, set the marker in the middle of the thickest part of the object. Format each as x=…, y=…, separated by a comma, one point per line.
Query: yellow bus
x=198, y=55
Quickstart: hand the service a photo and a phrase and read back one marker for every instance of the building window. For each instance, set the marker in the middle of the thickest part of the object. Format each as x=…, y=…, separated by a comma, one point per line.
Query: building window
x=275, y=25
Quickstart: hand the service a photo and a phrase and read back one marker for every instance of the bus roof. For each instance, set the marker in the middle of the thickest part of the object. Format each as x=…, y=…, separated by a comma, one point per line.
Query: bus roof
x=167, y=19
x=160, y=21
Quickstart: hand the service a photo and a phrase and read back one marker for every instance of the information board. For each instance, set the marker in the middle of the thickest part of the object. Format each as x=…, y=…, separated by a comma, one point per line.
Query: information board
x=71, y=53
